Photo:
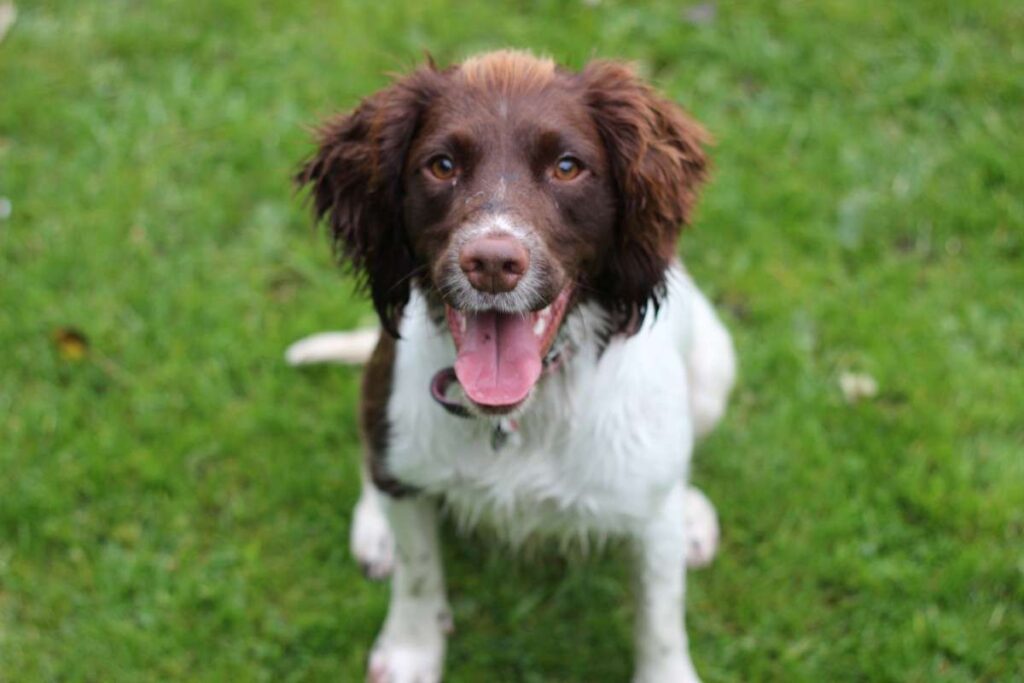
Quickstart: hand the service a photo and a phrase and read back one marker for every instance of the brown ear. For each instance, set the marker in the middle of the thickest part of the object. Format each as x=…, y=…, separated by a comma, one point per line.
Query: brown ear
x=355, y=178
x=658, y=162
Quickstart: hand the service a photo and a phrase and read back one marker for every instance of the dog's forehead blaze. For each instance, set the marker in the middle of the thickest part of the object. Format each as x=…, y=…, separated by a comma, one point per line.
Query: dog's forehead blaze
x=507, y=71
x=494, y=95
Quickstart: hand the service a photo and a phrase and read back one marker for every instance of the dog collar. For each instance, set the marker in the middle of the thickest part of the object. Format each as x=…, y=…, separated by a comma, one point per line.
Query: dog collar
x=444, y=378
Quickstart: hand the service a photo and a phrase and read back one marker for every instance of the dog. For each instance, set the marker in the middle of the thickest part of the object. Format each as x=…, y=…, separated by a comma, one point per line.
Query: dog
x=545, y=363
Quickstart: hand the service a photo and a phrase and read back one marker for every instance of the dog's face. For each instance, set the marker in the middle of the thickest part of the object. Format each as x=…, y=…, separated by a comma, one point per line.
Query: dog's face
x=508, y=196
x=509, y=189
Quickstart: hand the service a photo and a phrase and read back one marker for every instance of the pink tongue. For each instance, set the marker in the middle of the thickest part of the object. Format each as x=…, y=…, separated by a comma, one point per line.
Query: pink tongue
x=499, y=358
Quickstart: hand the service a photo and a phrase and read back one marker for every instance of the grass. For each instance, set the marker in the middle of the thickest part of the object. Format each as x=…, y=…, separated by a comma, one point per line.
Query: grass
x=175, y=502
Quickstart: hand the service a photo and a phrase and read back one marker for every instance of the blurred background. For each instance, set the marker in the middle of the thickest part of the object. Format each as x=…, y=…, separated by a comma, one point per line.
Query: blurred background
x=174, y=500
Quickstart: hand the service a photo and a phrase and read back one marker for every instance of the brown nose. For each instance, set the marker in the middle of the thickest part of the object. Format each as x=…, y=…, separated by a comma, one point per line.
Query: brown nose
x=494, y=264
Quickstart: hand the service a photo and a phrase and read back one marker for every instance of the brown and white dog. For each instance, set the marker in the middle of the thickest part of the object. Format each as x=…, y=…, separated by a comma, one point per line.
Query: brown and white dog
x=545, y=363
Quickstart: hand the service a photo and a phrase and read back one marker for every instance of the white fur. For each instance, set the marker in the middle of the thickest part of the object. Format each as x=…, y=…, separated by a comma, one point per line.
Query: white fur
x=410, y=647
x=710, y=362
x=351, y=348
x=602, y=450
x=702, y=532
x=602, y=441
x=662, y=650
x=370, y=539
x=526, y=293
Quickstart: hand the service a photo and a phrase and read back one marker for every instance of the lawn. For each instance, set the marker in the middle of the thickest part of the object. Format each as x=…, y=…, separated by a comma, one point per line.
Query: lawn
x=175, y=501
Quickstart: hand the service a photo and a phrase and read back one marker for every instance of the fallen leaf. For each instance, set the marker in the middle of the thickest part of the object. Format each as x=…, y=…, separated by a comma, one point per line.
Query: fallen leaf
x=701, y=14
x=72, y=344
x=8, y=13
x=857, y=386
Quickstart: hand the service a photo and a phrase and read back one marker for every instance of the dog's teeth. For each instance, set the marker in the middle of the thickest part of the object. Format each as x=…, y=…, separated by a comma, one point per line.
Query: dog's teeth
x=540, y=325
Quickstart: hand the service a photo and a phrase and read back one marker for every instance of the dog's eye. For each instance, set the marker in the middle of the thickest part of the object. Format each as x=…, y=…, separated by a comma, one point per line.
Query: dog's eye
x=567, y=168
x=442, y=167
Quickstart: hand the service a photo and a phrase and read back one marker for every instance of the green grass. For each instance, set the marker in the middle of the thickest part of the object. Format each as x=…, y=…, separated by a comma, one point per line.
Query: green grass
x=175, y=506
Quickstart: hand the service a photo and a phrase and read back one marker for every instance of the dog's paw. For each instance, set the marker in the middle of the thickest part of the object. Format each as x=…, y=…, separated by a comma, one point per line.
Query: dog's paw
x=702, y=531
x=371, y=540
x=673, y=669
x=405, y=663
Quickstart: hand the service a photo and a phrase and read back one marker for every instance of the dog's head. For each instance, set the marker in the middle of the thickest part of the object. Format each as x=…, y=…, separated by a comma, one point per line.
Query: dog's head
x=511, y=189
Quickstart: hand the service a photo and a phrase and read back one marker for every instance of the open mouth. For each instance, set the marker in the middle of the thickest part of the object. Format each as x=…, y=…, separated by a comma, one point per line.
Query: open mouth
x=500, y=356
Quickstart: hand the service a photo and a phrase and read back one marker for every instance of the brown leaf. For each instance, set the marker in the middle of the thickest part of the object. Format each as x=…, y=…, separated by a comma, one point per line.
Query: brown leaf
x=8, y=13
x=71, y=343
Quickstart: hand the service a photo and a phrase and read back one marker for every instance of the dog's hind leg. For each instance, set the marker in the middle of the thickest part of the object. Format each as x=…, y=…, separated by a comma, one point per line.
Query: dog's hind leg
x=370, y=538
x=373, y=542
x=710, y=364
x=702, y=533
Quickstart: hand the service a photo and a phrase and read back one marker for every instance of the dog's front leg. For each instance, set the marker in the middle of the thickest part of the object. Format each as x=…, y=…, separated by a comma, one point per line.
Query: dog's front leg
x=410, y=647
x=662, y=650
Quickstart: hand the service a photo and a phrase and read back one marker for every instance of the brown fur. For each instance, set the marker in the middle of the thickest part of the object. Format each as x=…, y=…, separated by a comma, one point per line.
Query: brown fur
x=507, y=71
x=659, y=164
x=506, y=118
x=649, y=166
x=373, y=416
x=356, y=181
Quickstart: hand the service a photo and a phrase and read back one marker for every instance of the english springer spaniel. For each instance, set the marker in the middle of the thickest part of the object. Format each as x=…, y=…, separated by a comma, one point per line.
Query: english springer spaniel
x=545, y=363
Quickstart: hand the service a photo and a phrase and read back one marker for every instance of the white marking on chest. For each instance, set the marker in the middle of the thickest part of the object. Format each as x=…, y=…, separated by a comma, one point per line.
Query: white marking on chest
x=600, y=444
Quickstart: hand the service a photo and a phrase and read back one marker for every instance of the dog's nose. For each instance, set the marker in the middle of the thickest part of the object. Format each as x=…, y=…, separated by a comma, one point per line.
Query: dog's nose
x=494, y=264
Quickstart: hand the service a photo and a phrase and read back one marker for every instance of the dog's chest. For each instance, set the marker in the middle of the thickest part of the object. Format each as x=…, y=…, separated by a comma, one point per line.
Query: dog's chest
x=553, y=475
x=595, y=451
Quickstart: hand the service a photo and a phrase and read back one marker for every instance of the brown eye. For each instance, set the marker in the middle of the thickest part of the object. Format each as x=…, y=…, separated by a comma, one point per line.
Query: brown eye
x=442, y=167
x=567, y=168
